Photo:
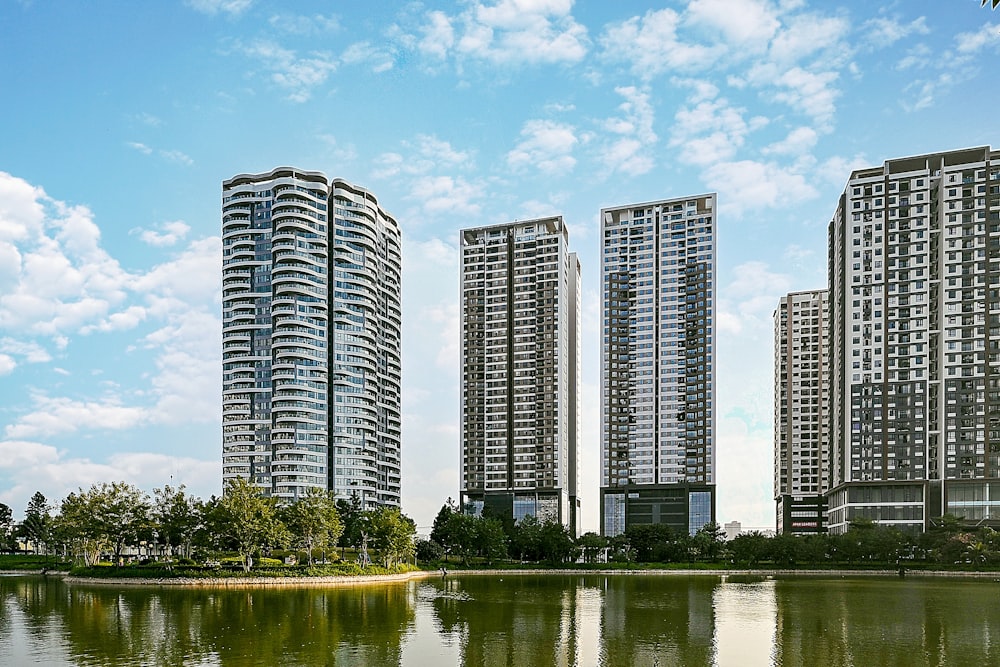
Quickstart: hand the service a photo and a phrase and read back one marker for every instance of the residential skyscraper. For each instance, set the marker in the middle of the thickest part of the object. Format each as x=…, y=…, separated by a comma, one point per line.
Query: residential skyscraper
x=914, y=275
x=658, y=364
x=520, y=370
x=801, y=412
x=311, y=337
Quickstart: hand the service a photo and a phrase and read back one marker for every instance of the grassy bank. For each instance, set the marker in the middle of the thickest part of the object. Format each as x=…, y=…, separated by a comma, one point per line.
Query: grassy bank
x=161, y=571
x=31, y=563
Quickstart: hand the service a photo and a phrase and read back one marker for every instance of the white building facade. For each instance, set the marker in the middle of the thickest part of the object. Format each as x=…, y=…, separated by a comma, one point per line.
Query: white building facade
x=311, y=337
x=658, y=364
x=520, y=370
x=914, y=268
x=801, y=411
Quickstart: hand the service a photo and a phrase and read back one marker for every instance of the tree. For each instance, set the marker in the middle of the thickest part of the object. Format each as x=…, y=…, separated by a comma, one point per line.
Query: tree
x=248, y=520
x=592, y=545
x=439, y=530
x=352, y=519
x=313, y=521
x=749, y=547
x=429, y=550
x=556, y=544
x=176, y=518
x=709, y=540
x=391, y=535
x=37, y=525
x=105, y=517
x=492, y=538
x=6, y=527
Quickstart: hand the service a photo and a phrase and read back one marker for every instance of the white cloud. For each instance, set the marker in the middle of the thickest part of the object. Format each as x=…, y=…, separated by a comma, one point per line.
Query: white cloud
x=176, y=156
x=507, y=32
x=800, y=140
x=650, y=45
x=7, y=364
x=747, y=185
x=629, y=149
x=298, y=75
x=811, y=93
x=56, y=416
x=212, y=7
x=142, y=148
x=749, y=24
x=804, y=35
x=20, y=454
x=545, y=145
x=710, y=131
x=304, y=25
x=425, y=153
x=169, y=234
x=973, y=42
x=438, y=35
x=30, y=351
x=882, y=32
x=447, y=194
x=380, y=60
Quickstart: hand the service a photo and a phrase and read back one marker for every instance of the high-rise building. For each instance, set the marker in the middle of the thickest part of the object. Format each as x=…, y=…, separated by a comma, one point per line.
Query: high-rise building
x=801, y=412
x=311, y=337
x=658, y=364
x=914, y=275
x=520, y=370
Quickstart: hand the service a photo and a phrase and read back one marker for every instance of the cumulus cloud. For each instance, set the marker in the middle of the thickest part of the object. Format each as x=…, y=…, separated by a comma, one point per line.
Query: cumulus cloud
x=545, y=145
x=747, y=185
x=798, y=141
x=748, y=25
x=629, y=146
x=710, y=130
x=212, y=7
x=379, y=59
x=299, y=75
x=883, y=31
x=506, y=32
x=424, y=154
x=59, y=415
x=166, y=234
x=650, y=45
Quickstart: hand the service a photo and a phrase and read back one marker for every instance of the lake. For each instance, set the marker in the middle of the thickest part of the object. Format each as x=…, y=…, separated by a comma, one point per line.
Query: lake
x=484, y=620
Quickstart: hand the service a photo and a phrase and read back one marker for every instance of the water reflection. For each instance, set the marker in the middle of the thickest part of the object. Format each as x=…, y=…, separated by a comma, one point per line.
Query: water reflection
x=509, y=620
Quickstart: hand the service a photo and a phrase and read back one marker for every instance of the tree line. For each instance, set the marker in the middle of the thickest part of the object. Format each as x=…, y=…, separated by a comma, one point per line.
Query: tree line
x=459, y=536
x=110, y=520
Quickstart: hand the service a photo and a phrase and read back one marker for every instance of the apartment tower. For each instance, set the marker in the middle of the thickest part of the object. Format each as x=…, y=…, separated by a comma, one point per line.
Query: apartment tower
x=520, y=371
x=658, y=364
x=311, y=337
x=801, y=412
x=914, y=264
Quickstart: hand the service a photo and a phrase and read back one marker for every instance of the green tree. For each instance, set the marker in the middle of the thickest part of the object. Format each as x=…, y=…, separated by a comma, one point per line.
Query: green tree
x=749, y=547
x=105, y=517
x=391, y=535
x=6, y=527
x=492, y=538
x=709, y=541
x=313, y=521
x=439, y=529
x=556, y=544
x=176, y=517
x=37, y=525
x=592, y=545
x=461, y=534
x=247, y=520
x=353, y=521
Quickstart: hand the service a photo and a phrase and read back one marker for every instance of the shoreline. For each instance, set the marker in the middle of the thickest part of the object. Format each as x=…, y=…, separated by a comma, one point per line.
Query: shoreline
x=362, y=580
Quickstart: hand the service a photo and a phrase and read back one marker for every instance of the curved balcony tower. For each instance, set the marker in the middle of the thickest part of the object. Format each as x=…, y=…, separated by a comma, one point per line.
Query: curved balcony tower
x=311, y=337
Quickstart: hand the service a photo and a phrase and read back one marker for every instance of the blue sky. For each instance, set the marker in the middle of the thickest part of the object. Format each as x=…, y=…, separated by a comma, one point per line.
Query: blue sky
x=118, y=126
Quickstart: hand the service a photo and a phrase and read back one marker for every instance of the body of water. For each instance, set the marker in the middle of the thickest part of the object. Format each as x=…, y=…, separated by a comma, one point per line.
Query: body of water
x=509, y=620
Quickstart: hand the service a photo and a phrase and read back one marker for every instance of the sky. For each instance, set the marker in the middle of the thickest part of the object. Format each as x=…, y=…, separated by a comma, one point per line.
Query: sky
x=118, y=126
